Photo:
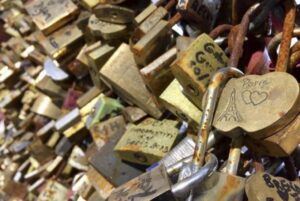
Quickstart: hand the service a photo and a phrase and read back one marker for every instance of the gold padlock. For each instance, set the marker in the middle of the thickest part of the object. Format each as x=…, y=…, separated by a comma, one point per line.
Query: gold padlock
x=87, y=97
x=147, y=142
x=114, y=14
x=49, y=15
x=122, y=74
x=194, y=68
x=180, y=106
x=157, y=75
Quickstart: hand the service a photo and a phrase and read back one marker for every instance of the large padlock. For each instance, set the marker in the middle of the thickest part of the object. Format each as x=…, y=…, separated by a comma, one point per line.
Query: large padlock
x=247, y=103
x=156, y=184
x=226, y=185
x=263, y=186
x=122, y=74
x=49, y=15
x=194, y=68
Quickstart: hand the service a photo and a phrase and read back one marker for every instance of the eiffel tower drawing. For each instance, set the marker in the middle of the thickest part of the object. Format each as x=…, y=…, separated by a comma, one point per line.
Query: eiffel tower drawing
x=231, y=112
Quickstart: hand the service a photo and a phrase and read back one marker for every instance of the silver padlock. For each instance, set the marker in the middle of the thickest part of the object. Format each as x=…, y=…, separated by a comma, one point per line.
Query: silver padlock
x=156, y=183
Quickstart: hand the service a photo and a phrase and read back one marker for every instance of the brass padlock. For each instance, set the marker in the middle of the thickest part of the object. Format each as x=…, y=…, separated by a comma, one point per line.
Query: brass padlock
x=103, y=131
x=157, y=184
x=97, y=59
x=89, y=4
x=147, y=142
x=48, y=87
x=122, y=74
x=263, y=186
x=154, y=42
x=114, y=14
x=158, y=14
x=180, y=106
x=88, y=96
x=157, y=75
x=194, y=68
x=61, y=42
x=51, y=111
x=49, y=15
x=250, y=104
x=106, y=30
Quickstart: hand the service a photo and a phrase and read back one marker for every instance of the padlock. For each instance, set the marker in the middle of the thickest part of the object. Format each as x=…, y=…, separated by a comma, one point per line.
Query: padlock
x=48, y=87
x=44, y=132
x=101, y=185
x=40, y=152
x=88, y=96
x=122, y=74
x=53, y=191
x=147, y=142
x=180, y=106
x=114, y=14
x=77, y=132
x=133, y=114
x=263, y=186
x=111, y=167
x=252, y=99
x=145, y=13
x=157, y=75
x=104, y=107
x=43, y=105
x=103, y=131
x=158, y=14
x=213, y=92
x=34, y=55
x=224, y=185
x=97, y=59
x=188, y=68
x=106, y=30
x=156, y=184
x=49, y=15
x=154, y=42
x=201, y=14
x=87, y=108
x=53, y=139
x=61, y=42
x=77, y=159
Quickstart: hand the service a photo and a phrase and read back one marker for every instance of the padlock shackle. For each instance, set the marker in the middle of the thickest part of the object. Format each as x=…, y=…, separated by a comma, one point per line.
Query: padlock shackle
x=213, y=92
x=217, y=31
x=182, y=188
x=240, y=38
x=234, y=155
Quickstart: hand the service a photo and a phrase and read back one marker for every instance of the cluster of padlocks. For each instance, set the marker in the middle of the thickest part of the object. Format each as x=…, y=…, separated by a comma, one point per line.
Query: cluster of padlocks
x=139, y=100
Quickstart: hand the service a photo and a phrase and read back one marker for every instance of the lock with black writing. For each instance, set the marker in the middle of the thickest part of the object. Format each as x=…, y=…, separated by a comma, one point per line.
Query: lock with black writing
x=121, y=73
x=49, y=15
x=194, y=68
x=147, y=142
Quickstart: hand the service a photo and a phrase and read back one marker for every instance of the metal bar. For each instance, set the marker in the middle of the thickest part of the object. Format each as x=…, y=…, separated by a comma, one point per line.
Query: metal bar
x=234, y=156
x=289, y=23
x=217, y=31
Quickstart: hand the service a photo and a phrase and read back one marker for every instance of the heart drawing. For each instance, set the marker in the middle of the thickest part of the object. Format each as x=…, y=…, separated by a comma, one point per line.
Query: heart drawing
x=254, y=97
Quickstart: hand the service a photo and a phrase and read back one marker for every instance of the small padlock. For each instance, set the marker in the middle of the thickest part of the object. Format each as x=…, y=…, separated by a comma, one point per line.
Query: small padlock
x=151, y=21
x=147, y=142
x=51, y=111
x=157, y=75
x=157, y=184
x=154, y=42
x=133, y=114
x=88, y=96
x=49, y=15
x=114, y=14
x=122, y=74
x=103, y=131
x=180, y=106
x=106, y=30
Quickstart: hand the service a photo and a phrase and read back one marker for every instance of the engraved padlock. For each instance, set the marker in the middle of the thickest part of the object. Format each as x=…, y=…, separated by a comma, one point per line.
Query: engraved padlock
x=157, y=184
